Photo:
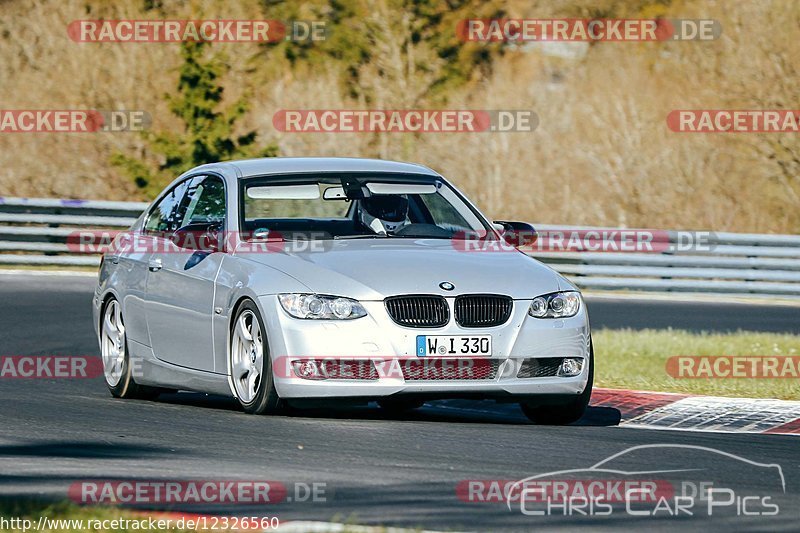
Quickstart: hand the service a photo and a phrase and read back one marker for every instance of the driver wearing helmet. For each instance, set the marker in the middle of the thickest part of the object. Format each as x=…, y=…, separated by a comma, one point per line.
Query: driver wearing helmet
x=384, y=214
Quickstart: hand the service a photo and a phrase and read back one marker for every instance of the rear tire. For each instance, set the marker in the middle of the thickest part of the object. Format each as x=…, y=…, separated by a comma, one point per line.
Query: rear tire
x=563, y=413
x=117, y=368
x=250, y=363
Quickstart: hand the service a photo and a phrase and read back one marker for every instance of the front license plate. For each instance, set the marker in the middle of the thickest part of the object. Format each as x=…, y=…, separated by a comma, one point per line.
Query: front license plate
x=441, y=345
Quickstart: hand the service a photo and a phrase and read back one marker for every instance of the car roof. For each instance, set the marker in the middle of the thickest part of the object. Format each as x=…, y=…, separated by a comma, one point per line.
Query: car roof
x=287, y=165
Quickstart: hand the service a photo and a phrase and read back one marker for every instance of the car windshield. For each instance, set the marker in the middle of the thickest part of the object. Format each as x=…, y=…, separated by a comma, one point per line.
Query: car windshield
x=348, y=207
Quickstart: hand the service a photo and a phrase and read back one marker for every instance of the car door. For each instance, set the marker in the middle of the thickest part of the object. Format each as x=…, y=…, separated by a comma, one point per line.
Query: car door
x=136, y=250
x=179, y=297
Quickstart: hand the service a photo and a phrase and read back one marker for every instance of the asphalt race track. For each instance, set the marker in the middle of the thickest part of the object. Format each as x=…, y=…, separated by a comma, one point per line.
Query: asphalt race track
x=693, y=316
x=375, y=469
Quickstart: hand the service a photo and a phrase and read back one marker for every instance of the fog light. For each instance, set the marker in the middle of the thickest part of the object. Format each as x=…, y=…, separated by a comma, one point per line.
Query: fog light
x=571, y=366
x=307, y=370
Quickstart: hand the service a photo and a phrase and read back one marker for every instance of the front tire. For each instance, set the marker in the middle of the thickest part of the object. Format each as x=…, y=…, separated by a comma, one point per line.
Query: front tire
x=564, y=413
x=250, y=363
x=117, y=368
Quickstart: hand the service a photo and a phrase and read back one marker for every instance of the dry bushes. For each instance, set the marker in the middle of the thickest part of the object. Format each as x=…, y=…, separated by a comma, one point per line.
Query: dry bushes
x=602, y=153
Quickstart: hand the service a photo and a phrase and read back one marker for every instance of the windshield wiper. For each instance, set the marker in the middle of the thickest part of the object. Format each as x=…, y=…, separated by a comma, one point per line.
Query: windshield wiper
x=375, y=236
x=413, y=236
x=385, y=236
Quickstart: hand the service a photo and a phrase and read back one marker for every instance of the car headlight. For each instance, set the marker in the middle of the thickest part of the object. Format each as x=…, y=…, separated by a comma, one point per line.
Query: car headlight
x=556, y=305
x=315, y=306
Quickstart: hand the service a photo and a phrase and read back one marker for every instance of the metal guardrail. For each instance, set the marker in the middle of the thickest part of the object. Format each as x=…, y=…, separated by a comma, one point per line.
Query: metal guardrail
x=33, y=231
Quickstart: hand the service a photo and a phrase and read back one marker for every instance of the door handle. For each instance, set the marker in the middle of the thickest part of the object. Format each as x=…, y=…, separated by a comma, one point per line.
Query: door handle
x=154, y=265
x=114, y=259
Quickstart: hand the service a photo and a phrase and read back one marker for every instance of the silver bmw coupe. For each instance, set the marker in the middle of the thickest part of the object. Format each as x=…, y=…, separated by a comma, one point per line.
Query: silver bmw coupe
x=287, y=280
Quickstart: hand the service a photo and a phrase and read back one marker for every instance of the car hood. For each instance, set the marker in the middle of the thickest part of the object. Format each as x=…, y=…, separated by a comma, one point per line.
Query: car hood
x=372, y=269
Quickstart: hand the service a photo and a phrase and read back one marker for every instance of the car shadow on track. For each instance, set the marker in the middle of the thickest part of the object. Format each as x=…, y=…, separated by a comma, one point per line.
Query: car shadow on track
x=77, y=449
x=444, y=411
x=463, y=411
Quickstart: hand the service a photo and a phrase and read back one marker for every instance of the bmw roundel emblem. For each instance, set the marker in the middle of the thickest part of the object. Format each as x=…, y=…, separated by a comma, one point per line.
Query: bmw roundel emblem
x=447, y=286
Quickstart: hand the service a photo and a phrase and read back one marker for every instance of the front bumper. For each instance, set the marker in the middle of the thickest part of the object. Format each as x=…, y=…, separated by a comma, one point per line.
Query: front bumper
x=377, y=337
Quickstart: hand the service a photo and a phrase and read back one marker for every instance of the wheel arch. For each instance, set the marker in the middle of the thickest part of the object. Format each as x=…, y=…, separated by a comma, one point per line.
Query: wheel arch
x=107, y=297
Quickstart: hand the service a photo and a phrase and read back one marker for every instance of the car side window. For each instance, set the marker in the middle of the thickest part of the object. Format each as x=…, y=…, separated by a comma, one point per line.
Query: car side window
x=205, y=202
x=166, y=216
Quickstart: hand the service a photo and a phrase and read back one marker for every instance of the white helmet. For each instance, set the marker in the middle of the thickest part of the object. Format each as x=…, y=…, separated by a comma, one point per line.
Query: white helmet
x=385, y=213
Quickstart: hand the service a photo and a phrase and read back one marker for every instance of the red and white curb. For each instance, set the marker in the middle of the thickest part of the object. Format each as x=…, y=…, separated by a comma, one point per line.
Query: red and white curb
x=659, y=410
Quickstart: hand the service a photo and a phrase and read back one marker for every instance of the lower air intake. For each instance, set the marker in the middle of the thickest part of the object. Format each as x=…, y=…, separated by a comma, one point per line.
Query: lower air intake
x=455, y=369
x=540, y=367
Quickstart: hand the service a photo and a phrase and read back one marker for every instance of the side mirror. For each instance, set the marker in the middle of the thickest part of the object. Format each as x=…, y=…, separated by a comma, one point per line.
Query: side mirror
x=516, y=233
x=203, y=237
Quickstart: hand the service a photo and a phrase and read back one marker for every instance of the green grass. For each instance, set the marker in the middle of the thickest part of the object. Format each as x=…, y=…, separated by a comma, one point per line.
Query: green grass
x=637, y=360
